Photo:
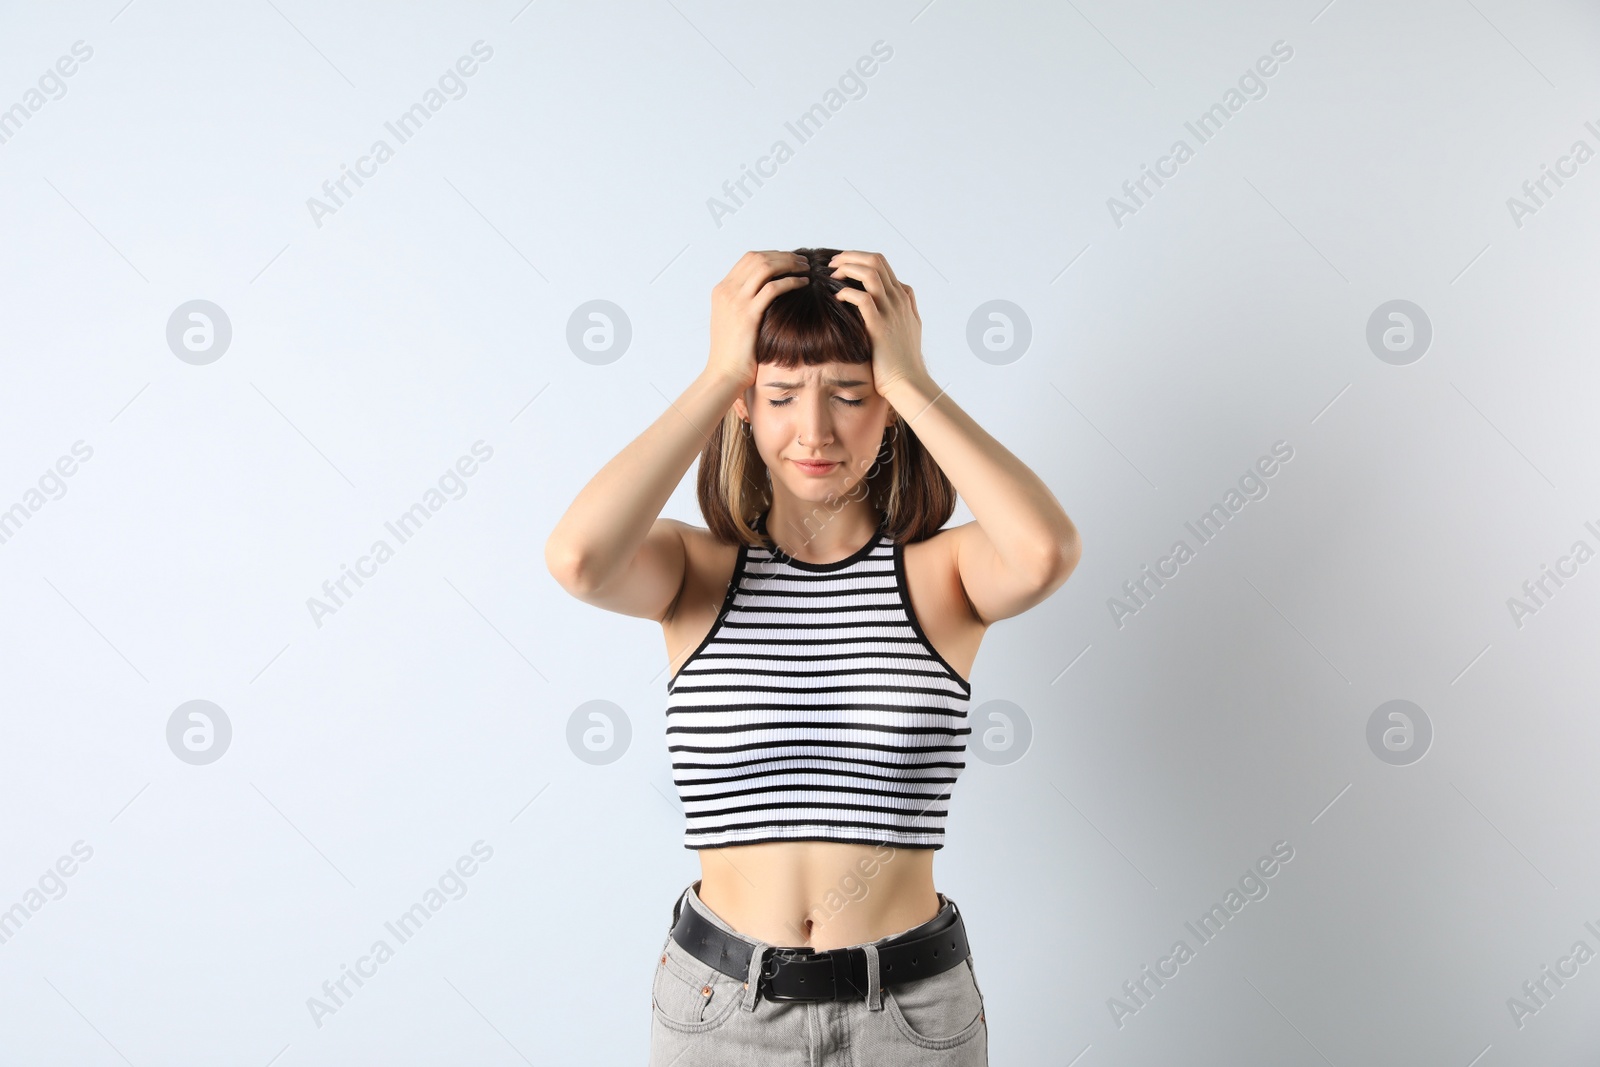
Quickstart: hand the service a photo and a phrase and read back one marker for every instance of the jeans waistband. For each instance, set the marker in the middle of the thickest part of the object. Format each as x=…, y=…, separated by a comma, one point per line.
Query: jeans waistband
x=858, y=966
x=690, y=897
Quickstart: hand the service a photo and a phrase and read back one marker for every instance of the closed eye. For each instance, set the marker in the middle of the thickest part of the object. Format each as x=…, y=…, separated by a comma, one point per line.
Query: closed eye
x=845, y=399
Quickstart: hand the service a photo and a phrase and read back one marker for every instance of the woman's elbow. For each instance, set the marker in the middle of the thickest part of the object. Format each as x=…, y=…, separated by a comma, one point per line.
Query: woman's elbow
x=1060, y=561
x=567, y=564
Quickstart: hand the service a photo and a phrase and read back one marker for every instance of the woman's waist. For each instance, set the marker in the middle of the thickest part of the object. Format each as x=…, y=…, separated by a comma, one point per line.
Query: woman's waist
x=822, y=894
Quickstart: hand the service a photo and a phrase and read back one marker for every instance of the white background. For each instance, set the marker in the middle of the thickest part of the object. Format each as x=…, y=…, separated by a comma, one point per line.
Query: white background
x=430, y=711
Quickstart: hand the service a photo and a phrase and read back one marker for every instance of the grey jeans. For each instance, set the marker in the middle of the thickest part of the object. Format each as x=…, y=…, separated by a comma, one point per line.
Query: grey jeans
x=700, y=1017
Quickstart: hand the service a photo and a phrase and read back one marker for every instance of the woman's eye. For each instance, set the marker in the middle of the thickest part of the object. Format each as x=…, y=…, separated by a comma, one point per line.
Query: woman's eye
x=847, y=400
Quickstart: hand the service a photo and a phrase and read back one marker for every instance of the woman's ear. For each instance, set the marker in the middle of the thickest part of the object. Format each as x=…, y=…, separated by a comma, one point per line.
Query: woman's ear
x=740, y=409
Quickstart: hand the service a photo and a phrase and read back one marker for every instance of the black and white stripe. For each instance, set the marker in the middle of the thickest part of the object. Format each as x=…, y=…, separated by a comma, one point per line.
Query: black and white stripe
x=816, y=708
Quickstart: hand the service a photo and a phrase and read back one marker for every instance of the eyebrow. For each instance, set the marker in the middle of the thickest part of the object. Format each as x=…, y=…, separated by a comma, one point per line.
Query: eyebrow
x=848, y=383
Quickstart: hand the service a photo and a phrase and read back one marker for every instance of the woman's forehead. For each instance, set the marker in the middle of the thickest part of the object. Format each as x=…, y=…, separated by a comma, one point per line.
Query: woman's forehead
x=823, y=375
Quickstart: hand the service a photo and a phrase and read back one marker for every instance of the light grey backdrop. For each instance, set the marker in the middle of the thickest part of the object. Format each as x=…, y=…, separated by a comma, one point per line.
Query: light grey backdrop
x=228, y=859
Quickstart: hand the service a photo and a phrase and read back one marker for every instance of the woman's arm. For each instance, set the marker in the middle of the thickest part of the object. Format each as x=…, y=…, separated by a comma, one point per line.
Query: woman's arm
x=610, y=549
x=1023, y=545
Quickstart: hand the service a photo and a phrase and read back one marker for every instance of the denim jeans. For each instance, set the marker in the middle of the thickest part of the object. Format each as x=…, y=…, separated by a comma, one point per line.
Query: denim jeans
x=701, y=1017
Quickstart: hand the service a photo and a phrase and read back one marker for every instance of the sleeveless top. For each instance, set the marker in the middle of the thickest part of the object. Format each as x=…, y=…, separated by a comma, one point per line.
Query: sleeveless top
x=815, y=709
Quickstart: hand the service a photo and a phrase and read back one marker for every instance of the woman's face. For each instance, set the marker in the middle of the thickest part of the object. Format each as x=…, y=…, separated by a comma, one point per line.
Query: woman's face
x=829, y=415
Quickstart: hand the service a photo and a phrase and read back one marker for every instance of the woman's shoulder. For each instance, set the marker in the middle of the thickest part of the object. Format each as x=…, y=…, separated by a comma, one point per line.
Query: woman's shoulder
x=708, y=564
x=933, y=572
x=698, y=539
x=940, y=544
x=938, y=548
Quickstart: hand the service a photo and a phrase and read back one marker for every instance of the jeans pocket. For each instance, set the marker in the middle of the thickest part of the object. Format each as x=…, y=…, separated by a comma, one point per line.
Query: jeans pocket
x=940, y=1011
x=690, y=996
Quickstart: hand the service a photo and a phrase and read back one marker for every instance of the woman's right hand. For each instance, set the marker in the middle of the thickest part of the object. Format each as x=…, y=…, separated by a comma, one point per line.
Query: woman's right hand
x=737, y=304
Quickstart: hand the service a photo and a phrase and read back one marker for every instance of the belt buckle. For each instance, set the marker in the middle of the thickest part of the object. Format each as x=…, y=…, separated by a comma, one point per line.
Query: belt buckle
x=770, y=962
x=839, y=974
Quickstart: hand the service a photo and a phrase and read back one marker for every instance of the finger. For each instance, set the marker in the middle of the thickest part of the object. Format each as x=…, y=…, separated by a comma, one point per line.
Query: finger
x=884, y=268
x=863, y=302
x=762, y=298
x=912, y=293
x=864, y=273
x=761, y=267
x=748, y=274
x=889, y=293
x=873, y=259
x=777, y=287
x=791, y=263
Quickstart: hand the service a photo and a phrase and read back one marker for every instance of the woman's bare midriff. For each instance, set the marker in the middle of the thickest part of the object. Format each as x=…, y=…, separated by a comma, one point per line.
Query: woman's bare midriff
x=820, y=894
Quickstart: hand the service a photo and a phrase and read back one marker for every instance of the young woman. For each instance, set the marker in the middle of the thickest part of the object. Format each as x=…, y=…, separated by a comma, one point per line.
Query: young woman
x=820, y=632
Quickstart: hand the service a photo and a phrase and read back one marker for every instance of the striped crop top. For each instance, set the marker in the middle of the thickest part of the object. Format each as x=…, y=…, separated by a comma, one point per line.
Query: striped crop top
x=816, y=709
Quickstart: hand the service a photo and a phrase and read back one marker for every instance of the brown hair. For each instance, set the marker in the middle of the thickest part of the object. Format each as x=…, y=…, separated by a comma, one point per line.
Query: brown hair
x=810, y=326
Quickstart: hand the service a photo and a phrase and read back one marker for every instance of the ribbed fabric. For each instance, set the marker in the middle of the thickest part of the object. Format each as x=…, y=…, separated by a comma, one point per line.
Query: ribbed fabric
x=816, y=709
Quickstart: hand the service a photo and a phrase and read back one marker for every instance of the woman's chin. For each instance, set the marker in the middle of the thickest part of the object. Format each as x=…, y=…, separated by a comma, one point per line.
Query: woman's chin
x=819, y=490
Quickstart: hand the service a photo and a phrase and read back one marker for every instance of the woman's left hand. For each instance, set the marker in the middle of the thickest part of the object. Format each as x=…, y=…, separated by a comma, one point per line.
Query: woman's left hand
x=889, y=309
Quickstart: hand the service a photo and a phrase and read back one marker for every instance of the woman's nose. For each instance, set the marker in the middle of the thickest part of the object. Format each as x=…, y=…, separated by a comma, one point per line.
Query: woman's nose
x=816, y=423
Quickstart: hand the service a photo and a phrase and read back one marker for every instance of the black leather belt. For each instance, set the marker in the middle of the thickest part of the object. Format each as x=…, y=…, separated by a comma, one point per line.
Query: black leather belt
x=804, y=974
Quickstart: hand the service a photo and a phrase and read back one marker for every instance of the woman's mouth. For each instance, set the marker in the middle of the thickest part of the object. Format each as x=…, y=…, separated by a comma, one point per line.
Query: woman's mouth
x=815, y=468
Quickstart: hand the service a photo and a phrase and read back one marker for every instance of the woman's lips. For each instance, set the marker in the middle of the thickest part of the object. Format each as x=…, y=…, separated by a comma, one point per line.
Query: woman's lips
x=814, y=468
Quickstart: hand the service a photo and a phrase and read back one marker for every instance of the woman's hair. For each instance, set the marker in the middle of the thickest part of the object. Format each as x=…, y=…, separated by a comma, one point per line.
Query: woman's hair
x=810, y=326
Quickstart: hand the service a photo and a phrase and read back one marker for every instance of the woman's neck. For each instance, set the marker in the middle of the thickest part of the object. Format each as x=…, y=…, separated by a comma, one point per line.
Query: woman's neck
x=816, y=533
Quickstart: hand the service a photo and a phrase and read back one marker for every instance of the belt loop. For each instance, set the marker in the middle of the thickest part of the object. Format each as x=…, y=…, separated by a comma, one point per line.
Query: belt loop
x=752, y=978
x=874, y=992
